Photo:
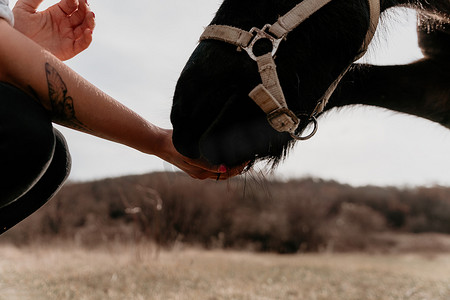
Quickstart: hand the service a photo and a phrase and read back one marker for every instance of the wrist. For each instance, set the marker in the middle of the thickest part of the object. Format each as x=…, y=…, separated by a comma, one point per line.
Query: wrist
x=159, y=142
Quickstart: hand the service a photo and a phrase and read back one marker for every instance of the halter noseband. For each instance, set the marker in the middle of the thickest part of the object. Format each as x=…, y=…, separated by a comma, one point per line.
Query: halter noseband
x=269, y=95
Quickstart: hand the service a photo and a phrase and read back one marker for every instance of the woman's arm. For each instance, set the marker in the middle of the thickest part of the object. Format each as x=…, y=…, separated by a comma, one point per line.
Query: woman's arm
x=75, y=103
x=71, y=100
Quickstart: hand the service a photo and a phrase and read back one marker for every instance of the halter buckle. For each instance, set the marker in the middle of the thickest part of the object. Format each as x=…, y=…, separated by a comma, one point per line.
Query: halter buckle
x=283, y=120
x=262, y=34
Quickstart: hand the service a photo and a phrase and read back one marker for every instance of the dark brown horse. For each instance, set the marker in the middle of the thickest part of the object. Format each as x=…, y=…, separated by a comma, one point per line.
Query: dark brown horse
x=214, y=117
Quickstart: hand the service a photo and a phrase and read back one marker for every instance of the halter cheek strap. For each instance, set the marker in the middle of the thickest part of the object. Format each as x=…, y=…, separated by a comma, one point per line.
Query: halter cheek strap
x=269, y=95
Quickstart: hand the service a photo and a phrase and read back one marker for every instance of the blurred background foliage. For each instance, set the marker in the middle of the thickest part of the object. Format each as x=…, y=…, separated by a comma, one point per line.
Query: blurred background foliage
x=250, y=212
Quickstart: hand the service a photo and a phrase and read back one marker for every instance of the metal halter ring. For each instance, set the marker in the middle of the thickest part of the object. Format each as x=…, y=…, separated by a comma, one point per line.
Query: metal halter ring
x=262, y=34
x=298, y=137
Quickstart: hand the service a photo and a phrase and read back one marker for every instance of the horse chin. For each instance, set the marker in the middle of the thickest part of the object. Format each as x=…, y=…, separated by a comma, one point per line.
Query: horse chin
x=237, y=143
x=225, y=149
x=216, y=147
x=231, y=145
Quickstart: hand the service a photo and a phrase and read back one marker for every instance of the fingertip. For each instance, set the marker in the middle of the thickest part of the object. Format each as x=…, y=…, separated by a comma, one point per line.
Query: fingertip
x=88, y=36
x=91, y=20
x=68, y=6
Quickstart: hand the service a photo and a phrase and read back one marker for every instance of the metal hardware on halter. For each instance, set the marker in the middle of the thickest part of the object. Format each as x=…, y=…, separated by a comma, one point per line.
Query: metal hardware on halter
x=284, y=120
x=262, y=34
x=297, y=137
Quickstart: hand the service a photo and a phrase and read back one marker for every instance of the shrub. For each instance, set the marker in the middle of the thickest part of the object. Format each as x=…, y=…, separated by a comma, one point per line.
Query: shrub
x=287, y=217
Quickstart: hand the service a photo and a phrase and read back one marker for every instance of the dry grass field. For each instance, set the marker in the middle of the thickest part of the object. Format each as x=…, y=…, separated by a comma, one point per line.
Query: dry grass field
x=119, y=272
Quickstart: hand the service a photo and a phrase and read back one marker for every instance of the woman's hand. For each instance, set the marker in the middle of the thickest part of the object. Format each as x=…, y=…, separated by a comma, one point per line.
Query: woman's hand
x=196, y=168
x=65, y=29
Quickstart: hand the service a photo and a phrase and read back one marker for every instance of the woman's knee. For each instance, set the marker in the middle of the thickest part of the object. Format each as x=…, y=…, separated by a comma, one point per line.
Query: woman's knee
x=27, y=143
x=50, y=182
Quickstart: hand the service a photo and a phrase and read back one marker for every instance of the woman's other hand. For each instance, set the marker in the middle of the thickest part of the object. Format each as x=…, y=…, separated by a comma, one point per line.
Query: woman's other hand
x=65, y=29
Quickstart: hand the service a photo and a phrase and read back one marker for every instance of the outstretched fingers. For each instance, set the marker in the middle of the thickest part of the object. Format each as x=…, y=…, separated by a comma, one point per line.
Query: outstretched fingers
x=206, y=171
x=231, y=172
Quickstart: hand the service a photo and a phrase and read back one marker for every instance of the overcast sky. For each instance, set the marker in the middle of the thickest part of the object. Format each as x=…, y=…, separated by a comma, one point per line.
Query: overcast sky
x=138, y=52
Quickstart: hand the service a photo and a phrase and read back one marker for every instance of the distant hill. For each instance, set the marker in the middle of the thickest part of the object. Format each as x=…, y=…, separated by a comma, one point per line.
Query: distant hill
x=246, y=212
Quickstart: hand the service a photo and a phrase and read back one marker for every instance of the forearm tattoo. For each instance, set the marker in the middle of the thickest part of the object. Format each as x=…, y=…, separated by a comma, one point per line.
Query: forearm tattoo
x=63, y=111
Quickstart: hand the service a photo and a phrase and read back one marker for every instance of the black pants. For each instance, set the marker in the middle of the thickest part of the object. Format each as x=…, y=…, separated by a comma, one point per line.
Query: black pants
x=34, y=158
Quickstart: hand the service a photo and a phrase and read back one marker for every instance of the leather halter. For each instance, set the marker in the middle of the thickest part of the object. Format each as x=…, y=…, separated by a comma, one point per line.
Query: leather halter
x=269, y=95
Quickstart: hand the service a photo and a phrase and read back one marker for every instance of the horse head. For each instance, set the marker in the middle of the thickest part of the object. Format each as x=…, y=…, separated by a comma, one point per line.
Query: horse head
x=213, y=116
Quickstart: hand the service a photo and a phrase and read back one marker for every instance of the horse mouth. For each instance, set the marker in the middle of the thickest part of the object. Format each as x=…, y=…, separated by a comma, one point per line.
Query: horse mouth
x=217, y=147
x=232, y=143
